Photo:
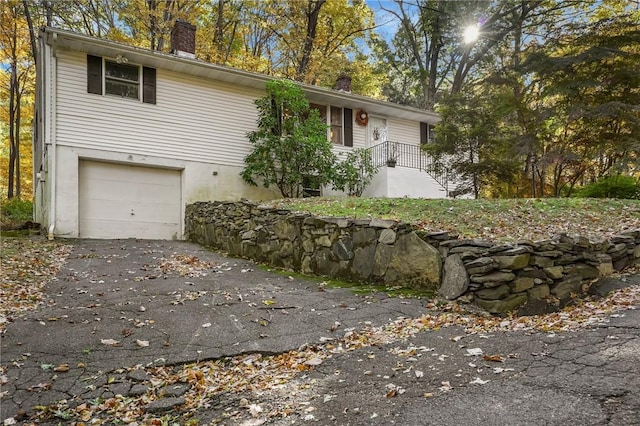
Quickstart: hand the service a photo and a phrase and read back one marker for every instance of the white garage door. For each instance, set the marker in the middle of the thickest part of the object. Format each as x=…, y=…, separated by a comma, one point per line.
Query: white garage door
x=122, y=201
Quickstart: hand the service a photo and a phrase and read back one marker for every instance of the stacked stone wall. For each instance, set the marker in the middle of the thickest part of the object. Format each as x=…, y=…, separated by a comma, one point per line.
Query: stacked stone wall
x=528, y=277
x=376, y=251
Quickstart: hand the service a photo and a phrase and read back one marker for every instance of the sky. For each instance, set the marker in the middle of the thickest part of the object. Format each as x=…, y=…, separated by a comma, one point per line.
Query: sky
x=387, y=23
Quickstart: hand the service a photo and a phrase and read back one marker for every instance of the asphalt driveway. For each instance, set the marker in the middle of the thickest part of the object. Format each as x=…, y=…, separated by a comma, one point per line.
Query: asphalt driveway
x=122, y=303
x=119, y=309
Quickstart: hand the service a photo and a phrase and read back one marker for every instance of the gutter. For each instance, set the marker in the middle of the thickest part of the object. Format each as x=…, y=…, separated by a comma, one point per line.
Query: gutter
x=51, y=113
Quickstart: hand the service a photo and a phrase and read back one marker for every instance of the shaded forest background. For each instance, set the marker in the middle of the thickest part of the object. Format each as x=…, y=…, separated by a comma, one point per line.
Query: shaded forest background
x=544, y=101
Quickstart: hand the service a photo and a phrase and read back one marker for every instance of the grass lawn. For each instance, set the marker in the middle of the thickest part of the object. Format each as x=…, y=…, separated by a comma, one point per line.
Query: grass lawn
x=496, y=219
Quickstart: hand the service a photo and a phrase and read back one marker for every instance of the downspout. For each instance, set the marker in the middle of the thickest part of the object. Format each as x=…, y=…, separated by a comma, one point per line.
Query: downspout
x=52, y=135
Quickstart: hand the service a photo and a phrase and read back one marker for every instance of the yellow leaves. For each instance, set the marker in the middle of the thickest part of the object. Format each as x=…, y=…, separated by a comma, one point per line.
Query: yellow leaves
x=62, y=368
x=185, y=265
x=83, y=412
x=494, y=358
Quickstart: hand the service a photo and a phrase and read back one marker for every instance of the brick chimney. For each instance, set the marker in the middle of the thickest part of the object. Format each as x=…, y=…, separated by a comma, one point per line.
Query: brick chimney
x=343, y=83
x=183, y=39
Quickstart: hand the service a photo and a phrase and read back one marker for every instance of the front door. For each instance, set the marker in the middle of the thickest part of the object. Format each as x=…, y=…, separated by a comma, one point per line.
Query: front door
x=377, y=131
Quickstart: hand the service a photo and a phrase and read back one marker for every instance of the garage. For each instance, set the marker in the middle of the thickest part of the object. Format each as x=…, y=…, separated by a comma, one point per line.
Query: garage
x=124, y=201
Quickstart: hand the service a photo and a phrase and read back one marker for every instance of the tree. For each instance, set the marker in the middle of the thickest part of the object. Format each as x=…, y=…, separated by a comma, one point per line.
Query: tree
x=317, y=40
x=469, y=144
x=290, y=143
x=16, y=81
x=150, y=21
x=428, y=54
x=591, y=90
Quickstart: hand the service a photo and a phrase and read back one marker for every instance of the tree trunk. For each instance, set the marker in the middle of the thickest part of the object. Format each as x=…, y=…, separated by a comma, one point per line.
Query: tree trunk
x=313, y=12
x=219, y=33
x=16, y=133
x=434, y=57
x=13, y=91
x=32, y=33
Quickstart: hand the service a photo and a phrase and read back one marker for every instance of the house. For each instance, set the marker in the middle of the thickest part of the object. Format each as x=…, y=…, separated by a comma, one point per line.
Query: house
x=125, y=137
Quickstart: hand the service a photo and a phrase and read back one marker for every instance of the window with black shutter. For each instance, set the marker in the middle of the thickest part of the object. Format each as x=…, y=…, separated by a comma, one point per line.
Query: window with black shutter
x=94, y=74
x=149, y=85
x=340, y=122
x=427, y=133
x=348, y=127
x=121, y=79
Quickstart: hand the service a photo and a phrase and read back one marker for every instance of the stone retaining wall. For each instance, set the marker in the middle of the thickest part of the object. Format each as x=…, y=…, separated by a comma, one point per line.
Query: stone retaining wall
x=530, y=277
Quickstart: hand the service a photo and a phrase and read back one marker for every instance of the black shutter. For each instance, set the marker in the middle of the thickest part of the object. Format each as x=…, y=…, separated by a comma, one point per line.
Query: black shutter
x=148, y=85
x=94, y=74
x=348, y=127
x=424, y=133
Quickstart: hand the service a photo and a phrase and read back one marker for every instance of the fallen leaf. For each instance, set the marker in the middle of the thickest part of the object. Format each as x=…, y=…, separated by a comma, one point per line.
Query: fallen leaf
x=62, y=368
x=255, y=409
x=39, y=386
x=328, y=398
x=314, y=361
x=478, y=381
x=474, y=352
x=493, y=358
x=446, y=386
x=109, y=342
x=268, y=302
x=142, y=343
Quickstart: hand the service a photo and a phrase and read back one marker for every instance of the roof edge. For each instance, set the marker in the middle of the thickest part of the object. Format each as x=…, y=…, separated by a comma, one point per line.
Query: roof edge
x=248, y=78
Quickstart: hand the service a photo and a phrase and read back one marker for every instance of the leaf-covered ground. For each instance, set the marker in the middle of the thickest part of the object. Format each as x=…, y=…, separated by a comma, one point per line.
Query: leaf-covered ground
x=498, y=220
x=26, y=265
x=259, y=387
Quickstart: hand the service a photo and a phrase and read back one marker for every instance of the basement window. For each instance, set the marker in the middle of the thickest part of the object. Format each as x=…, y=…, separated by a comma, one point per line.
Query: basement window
x=311, y=186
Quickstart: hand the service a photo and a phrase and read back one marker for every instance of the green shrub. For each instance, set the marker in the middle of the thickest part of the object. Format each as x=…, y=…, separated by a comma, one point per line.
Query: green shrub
x=290, y=144
x=355, y=173
x=15, y=212
x=619, y=186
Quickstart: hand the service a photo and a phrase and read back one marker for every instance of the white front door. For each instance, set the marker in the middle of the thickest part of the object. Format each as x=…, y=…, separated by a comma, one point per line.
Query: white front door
x=376, y=131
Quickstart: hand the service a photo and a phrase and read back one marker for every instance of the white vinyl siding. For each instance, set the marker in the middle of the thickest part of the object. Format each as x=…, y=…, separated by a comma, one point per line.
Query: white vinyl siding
x=193, y=119
x=403, y=131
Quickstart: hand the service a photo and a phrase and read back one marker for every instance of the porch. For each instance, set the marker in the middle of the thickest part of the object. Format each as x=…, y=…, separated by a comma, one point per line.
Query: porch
x=406, y=171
